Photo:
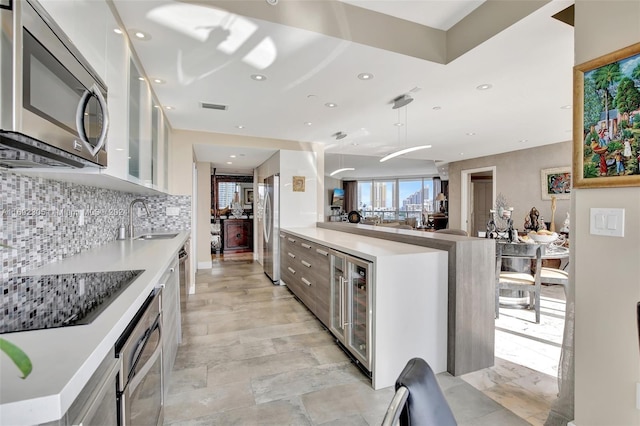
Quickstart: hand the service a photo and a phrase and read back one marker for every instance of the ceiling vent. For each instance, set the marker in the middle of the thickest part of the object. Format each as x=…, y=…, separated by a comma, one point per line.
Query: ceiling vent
x=218, y=107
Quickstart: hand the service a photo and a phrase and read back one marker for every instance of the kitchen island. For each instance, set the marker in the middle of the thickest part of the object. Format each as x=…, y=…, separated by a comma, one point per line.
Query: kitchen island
x=385, y=302
x=64, y=359
x=471, y=276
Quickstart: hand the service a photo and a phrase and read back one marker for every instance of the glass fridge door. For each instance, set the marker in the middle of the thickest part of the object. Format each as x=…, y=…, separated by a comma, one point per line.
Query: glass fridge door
x=338, y=293
x=359, y=332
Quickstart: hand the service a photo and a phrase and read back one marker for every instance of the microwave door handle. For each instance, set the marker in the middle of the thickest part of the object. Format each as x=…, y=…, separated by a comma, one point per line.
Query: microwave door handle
x=84, y=100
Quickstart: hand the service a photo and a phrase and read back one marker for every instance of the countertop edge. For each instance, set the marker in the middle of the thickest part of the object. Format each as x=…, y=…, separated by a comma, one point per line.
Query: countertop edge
x=46, y=406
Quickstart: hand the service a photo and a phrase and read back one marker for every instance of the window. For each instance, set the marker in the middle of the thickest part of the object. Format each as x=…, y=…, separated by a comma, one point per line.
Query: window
x=365, y=204
x=410, y=193
x=384, y=199
x=396, y=199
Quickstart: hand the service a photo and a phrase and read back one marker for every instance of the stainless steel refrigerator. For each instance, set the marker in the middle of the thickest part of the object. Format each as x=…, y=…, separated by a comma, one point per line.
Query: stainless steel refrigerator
x=271, y=228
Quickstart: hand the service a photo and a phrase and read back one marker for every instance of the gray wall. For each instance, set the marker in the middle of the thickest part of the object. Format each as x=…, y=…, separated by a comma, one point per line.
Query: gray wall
x=518, y=179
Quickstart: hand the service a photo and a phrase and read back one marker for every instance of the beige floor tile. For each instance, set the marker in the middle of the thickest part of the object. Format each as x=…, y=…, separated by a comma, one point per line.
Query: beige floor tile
x=252, y=354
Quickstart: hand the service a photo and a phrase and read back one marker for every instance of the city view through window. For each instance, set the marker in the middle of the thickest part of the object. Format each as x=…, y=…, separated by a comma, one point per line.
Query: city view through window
x=396, y=199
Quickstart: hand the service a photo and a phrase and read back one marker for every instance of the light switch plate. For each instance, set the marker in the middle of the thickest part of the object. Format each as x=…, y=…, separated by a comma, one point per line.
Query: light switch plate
x=607, y=222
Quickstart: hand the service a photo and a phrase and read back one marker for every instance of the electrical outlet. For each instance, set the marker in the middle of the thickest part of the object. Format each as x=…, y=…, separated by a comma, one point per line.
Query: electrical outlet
x=81, y=217
x=173, y=211
x=81, y=287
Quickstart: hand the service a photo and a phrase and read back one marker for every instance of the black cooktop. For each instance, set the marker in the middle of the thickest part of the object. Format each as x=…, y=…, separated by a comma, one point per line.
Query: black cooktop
x=33, y=302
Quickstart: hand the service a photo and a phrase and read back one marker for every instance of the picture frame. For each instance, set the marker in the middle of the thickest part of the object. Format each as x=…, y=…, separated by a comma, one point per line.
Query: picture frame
x=606, y=134
x=298, y=183
x=248, y=196
x=556, y=182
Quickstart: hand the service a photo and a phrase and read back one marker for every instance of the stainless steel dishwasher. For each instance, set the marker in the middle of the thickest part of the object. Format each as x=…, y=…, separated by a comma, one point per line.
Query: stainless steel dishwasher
x=140, y=400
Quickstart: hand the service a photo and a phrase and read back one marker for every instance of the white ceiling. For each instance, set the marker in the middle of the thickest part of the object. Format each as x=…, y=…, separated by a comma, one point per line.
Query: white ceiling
x=205, y=54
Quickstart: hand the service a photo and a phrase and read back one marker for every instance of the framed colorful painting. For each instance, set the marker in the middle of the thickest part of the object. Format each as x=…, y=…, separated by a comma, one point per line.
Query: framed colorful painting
x=556, y=181
x=606, y=135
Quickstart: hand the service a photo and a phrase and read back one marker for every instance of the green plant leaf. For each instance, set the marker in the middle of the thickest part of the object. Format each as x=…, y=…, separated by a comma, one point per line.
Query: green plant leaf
x=19, y=358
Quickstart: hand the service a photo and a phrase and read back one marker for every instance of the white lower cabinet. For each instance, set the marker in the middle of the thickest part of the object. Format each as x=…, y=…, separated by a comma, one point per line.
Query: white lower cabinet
x=171, y=322
x=387, y=301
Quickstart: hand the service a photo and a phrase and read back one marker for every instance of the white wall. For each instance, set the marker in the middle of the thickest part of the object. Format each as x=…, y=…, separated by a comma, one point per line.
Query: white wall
x=606, y=270
x=203, y=216
x=299, y=209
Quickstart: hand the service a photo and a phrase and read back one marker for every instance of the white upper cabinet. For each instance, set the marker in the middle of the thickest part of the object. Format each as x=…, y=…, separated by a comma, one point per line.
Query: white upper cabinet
x=137, y=142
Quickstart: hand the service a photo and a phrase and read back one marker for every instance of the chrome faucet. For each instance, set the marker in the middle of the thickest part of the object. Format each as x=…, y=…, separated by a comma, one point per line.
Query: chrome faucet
x=137, y=200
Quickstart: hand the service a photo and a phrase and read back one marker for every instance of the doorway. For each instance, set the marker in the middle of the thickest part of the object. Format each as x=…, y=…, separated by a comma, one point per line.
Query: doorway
x=478, y=194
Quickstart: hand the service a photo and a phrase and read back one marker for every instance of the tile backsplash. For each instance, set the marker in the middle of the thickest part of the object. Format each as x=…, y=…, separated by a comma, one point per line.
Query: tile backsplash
x=43, y=220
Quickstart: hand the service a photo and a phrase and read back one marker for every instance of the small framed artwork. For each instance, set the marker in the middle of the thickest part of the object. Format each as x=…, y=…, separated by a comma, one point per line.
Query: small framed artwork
x=298, y=184
x=606, y=134
x=248, y=195
x=556, y=181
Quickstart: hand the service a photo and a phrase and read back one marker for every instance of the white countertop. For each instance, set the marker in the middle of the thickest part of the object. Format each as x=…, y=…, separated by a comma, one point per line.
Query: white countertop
x=65, y=358
x=368, y=248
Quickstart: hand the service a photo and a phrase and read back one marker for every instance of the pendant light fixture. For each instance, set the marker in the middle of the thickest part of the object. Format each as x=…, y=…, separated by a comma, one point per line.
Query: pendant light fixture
x=398, y=103
x=340, y=169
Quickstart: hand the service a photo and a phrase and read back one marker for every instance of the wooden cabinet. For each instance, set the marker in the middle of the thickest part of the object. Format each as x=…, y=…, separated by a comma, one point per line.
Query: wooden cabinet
x=237, y=235
x=304, y=267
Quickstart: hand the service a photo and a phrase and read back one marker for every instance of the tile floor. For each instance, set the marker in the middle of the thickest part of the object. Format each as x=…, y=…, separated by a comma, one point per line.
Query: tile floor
x=524, y=377
x=253, y=355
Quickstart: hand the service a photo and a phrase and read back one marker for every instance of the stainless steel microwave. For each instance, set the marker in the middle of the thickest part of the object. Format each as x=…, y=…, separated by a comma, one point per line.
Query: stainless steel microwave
x=62, y=103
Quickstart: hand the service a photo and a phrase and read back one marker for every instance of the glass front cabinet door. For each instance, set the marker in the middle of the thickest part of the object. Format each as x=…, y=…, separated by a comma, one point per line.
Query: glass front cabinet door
x=351, y=305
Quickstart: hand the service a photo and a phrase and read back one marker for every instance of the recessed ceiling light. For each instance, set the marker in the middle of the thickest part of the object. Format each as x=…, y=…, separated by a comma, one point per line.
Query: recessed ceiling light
x=354, y=144
x=158, y=80
x=523, y=140
x=142, y=36
x=365, y=76
x=117, y=30
x=462, y=153
x=436, y=108
x=229, y=162
x=566, y=107
x=119, y=149
x=330, y=105
x=484, y=87
x=308, y=123
x=470, y=134
x=258, y=77
x=240, y=126
x=169, y=107
x=141, y=78
x=232, y=156
x=398, y=124
x=156, y=106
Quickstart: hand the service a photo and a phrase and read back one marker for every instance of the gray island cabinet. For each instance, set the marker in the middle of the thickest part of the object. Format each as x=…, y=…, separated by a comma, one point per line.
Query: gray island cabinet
x=471, y=277
x=384, y=302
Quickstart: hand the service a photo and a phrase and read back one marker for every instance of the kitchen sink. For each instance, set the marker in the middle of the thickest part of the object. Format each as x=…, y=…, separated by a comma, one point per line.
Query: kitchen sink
x=155, y=236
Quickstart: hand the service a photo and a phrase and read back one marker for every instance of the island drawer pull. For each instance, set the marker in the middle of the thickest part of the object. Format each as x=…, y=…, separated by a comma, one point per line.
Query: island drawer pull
x=307, y=264
x=293, y=271
x=322, y=252
x=291, y=255
x=307, y=246
x=304, y=280
x=291, y=239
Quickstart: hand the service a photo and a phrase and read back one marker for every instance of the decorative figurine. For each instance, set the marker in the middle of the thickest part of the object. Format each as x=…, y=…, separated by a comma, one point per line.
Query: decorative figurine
x=565, y=225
